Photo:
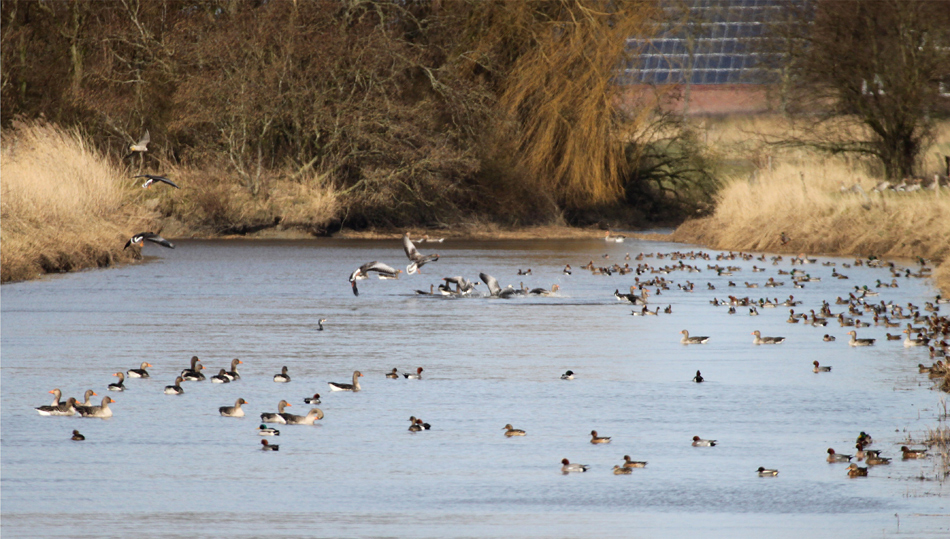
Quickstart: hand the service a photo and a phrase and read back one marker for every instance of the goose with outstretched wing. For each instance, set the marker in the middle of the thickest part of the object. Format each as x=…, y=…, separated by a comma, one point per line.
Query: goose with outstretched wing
x=139, y=239
x=491, y=283
x=462, y=285
x=363, y=271
x=417, y=260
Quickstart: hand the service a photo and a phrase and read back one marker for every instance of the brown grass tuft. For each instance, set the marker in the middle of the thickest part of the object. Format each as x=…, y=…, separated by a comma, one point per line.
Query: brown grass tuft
x=63, y=206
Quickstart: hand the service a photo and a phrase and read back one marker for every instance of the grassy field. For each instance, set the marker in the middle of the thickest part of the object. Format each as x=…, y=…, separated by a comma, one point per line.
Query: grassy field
x=63, y=207
x=810, y=198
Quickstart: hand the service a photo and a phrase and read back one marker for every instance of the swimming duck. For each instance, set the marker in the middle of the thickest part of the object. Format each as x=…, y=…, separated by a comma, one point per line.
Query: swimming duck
x=765, y=472
x=908, y=453
x=828, y=338
x=193, y=373
x=264, y=430
x=233, y=411
x=283, y=377
x=859, y=342
x=567, y=467
x=415, y=427
x=312, y=415
x=392, y=375
x=221, y=378
x=855, y=471
x=233, y=373
x=819, y=368
x=838, y=457
x=268, y=417
x=698, y=378
x=265, y=446
x=864, y=439
x=412, y=375
x=102, y=411
x=627, y=463
x=699, y=442
x=355, y=386
x=759, y=339
x=692, y=340
x=77, y=437
x=618, y=470
x=893, y=337
x=567, y=270
x=139, y=372
x=511, y=431
x=594, y=439
x=876, y=460
x=176, y=388
x=422, y=425
x=569, y=375
x=315, y=399
x=416, y=260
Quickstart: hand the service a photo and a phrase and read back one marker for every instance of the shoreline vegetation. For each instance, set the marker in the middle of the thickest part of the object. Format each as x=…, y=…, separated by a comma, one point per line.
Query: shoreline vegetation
x=66, y=206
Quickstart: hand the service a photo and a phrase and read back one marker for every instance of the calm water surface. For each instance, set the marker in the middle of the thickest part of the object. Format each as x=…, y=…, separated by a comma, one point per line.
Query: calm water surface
x=167, y=466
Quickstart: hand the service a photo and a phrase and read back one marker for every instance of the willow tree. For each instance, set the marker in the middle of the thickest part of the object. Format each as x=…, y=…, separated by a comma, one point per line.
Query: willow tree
x=554, y=66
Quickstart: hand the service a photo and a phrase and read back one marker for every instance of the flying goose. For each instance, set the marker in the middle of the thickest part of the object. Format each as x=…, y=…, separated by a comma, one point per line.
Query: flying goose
x=416, y=259
x=363, y=271
x=139, y=240
x=155, y=179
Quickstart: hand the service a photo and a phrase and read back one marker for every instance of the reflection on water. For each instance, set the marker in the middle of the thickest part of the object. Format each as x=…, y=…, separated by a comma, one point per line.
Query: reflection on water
x=167, y=465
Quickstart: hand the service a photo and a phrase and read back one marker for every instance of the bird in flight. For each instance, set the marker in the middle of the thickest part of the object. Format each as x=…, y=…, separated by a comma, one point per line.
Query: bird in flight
x=139, y=239
x=362, y=272
x=417, y=260
x=153, y=179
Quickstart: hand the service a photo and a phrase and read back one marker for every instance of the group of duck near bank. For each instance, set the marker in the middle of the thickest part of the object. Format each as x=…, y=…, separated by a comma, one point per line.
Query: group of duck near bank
x=929, y=336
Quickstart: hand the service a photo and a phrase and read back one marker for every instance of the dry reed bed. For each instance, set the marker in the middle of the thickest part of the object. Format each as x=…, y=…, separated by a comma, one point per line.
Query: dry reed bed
x=806, y=203
x=62, y=206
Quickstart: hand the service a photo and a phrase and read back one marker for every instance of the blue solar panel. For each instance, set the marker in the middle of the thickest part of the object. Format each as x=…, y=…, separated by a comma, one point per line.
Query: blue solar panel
x=714, y=42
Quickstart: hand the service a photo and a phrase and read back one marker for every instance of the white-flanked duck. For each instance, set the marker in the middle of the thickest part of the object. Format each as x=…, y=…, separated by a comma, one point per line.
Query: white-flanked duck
x=828, y=338
x=315, y=399
x=266, y=446
x=268, y=417
x=819, y=368
x=413, y=375
x=221, y=378
x=264, y=430
x=394, y=375
x=511, y=431
x=363, y=271
x=855, y=341
x=283, y=377
x=594, y=439
x=140, y=239
x=627, y=463
x=692, y=340
x=759, y=339
x=175, y=389
x=569, y=375
x=152, y=179
x=102, y=411
x=419, y=423
x=355, y=386
x=233, y=373
x=233, y=411
x=77, y=437
x=567, y=467
x=313, y=415
x=765, y=472
x=699, y=442
x=193, y=373
x=698, y=378
x=139, y=372
x=416, y=259
x=838, y=457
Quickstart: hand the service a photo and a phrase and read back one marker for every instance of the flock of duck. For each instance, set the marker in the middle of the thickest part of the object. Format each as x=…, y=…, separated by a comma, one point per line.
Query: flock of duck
x=929, y=333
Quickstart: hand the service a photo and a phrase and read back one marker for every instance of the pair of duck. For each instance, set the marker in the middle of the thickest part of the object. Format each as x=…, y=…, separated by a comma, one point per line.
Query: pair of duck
x=417, y=425
x=625, y=469
x=394, y=375
x=283, y=418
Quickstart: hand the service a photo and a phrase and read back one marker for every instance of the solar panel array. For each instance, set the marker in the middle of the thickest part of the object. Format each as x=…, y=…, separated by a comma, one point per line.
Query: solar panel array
x=706, y=42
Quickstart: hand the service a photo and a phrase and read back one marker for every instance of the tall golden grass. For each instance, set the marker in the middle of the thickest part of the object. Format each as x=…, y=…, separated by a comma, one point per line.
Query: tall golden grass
x=801, y=196
x=62, y=205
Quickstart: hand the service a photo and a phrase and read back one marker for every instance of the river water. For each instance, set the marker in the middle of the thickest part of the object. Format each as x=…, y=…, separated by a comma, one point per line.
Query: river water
x=170, y=466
